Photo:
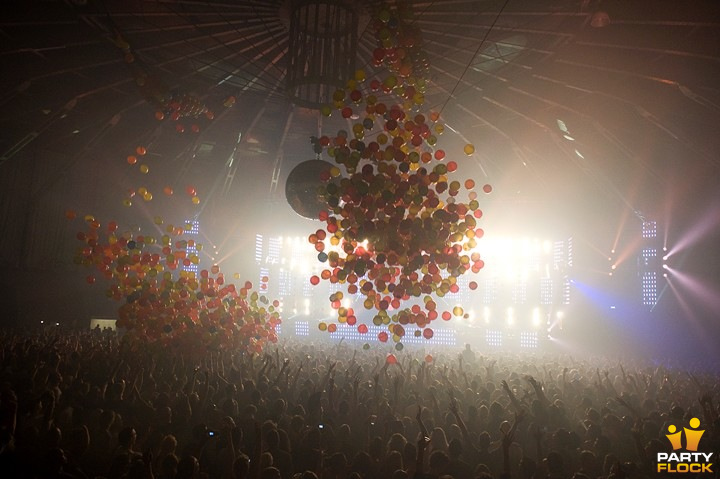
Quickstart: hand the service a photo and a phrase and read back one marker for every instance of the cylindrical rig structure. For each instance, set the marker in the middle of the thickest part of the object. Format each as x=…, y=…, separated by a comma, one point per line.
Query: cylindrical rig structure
x=322, y=49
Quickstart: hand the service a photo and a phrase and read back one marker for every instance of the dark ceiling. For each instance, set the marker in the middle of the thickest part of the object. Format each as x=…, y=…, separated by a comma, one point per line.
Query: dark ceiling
x=638, y=96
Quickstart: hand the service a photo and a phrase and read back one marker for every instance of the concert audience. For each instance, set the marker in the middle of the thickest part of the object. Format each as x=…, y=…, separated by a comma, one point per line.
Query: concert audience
x=78, y=405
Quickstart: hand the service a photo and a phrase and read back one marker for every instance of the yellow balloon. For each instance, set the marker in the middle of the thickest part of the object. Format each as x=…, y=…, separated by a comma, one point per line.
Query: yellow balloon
x=144, y=169
x=469, y=149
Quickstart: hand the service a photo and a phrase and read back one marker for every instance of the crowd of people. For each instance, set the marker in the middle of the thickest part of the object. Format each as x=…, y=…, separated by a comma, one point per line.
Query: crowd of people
x=86, y=404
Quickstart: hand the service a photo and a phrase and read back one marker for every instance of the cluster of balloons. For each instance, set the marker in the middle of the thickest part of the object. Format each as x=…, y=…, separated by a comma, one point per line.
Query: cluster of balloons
x=173, y=105
x=142, y=191
x=164, y=301
x=179, y=106
x=400, y=43
x=153, y=275
x=397, y=228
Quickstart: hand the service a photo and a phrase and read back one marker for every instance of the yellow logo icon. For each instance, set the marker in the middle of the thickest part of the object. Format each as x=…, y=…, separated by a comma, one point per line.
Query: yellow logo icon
x=692, y=436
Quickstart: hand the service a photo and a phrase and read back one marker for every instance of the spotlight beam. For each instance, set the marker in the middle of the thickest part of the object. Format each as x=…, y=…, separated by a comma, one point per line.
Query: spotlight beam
x=706, y=224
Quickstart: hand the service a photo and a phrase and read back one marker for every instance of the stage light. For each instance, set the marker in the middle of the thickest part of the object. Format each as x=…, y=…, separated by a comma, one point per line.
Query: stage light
x=528, y=339
x=302, y=328
x=649, y=288
x=613, y=266
x=560, y=315
x=493, y=338
x=536, y=321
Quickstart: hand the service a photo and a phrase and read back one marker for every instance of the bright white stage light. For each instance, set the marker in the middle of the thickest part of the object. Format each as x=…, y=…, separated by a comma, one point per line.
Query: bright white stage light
x=536, y=321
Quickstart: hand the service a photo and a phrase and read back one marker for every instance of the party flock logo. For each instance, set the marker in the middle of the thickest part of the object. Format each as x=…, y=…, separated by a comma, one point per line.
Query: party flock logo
x=690, y=461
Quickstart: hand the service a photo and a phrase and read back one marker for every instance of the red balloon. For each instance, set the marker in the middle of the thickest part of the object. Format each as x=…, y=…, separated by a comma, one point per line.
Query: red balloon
x=383, y=336
x=391, y=359
x=487, y=189
x=314, y=280
x=362, y=329
x=428, y=333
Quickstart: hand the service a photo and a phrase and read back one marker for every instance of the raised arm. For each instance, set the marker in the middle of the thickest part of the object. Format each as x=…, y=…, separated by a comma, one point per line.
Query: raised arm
x=418, y=417
x=461, y=424
x=516, y=404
